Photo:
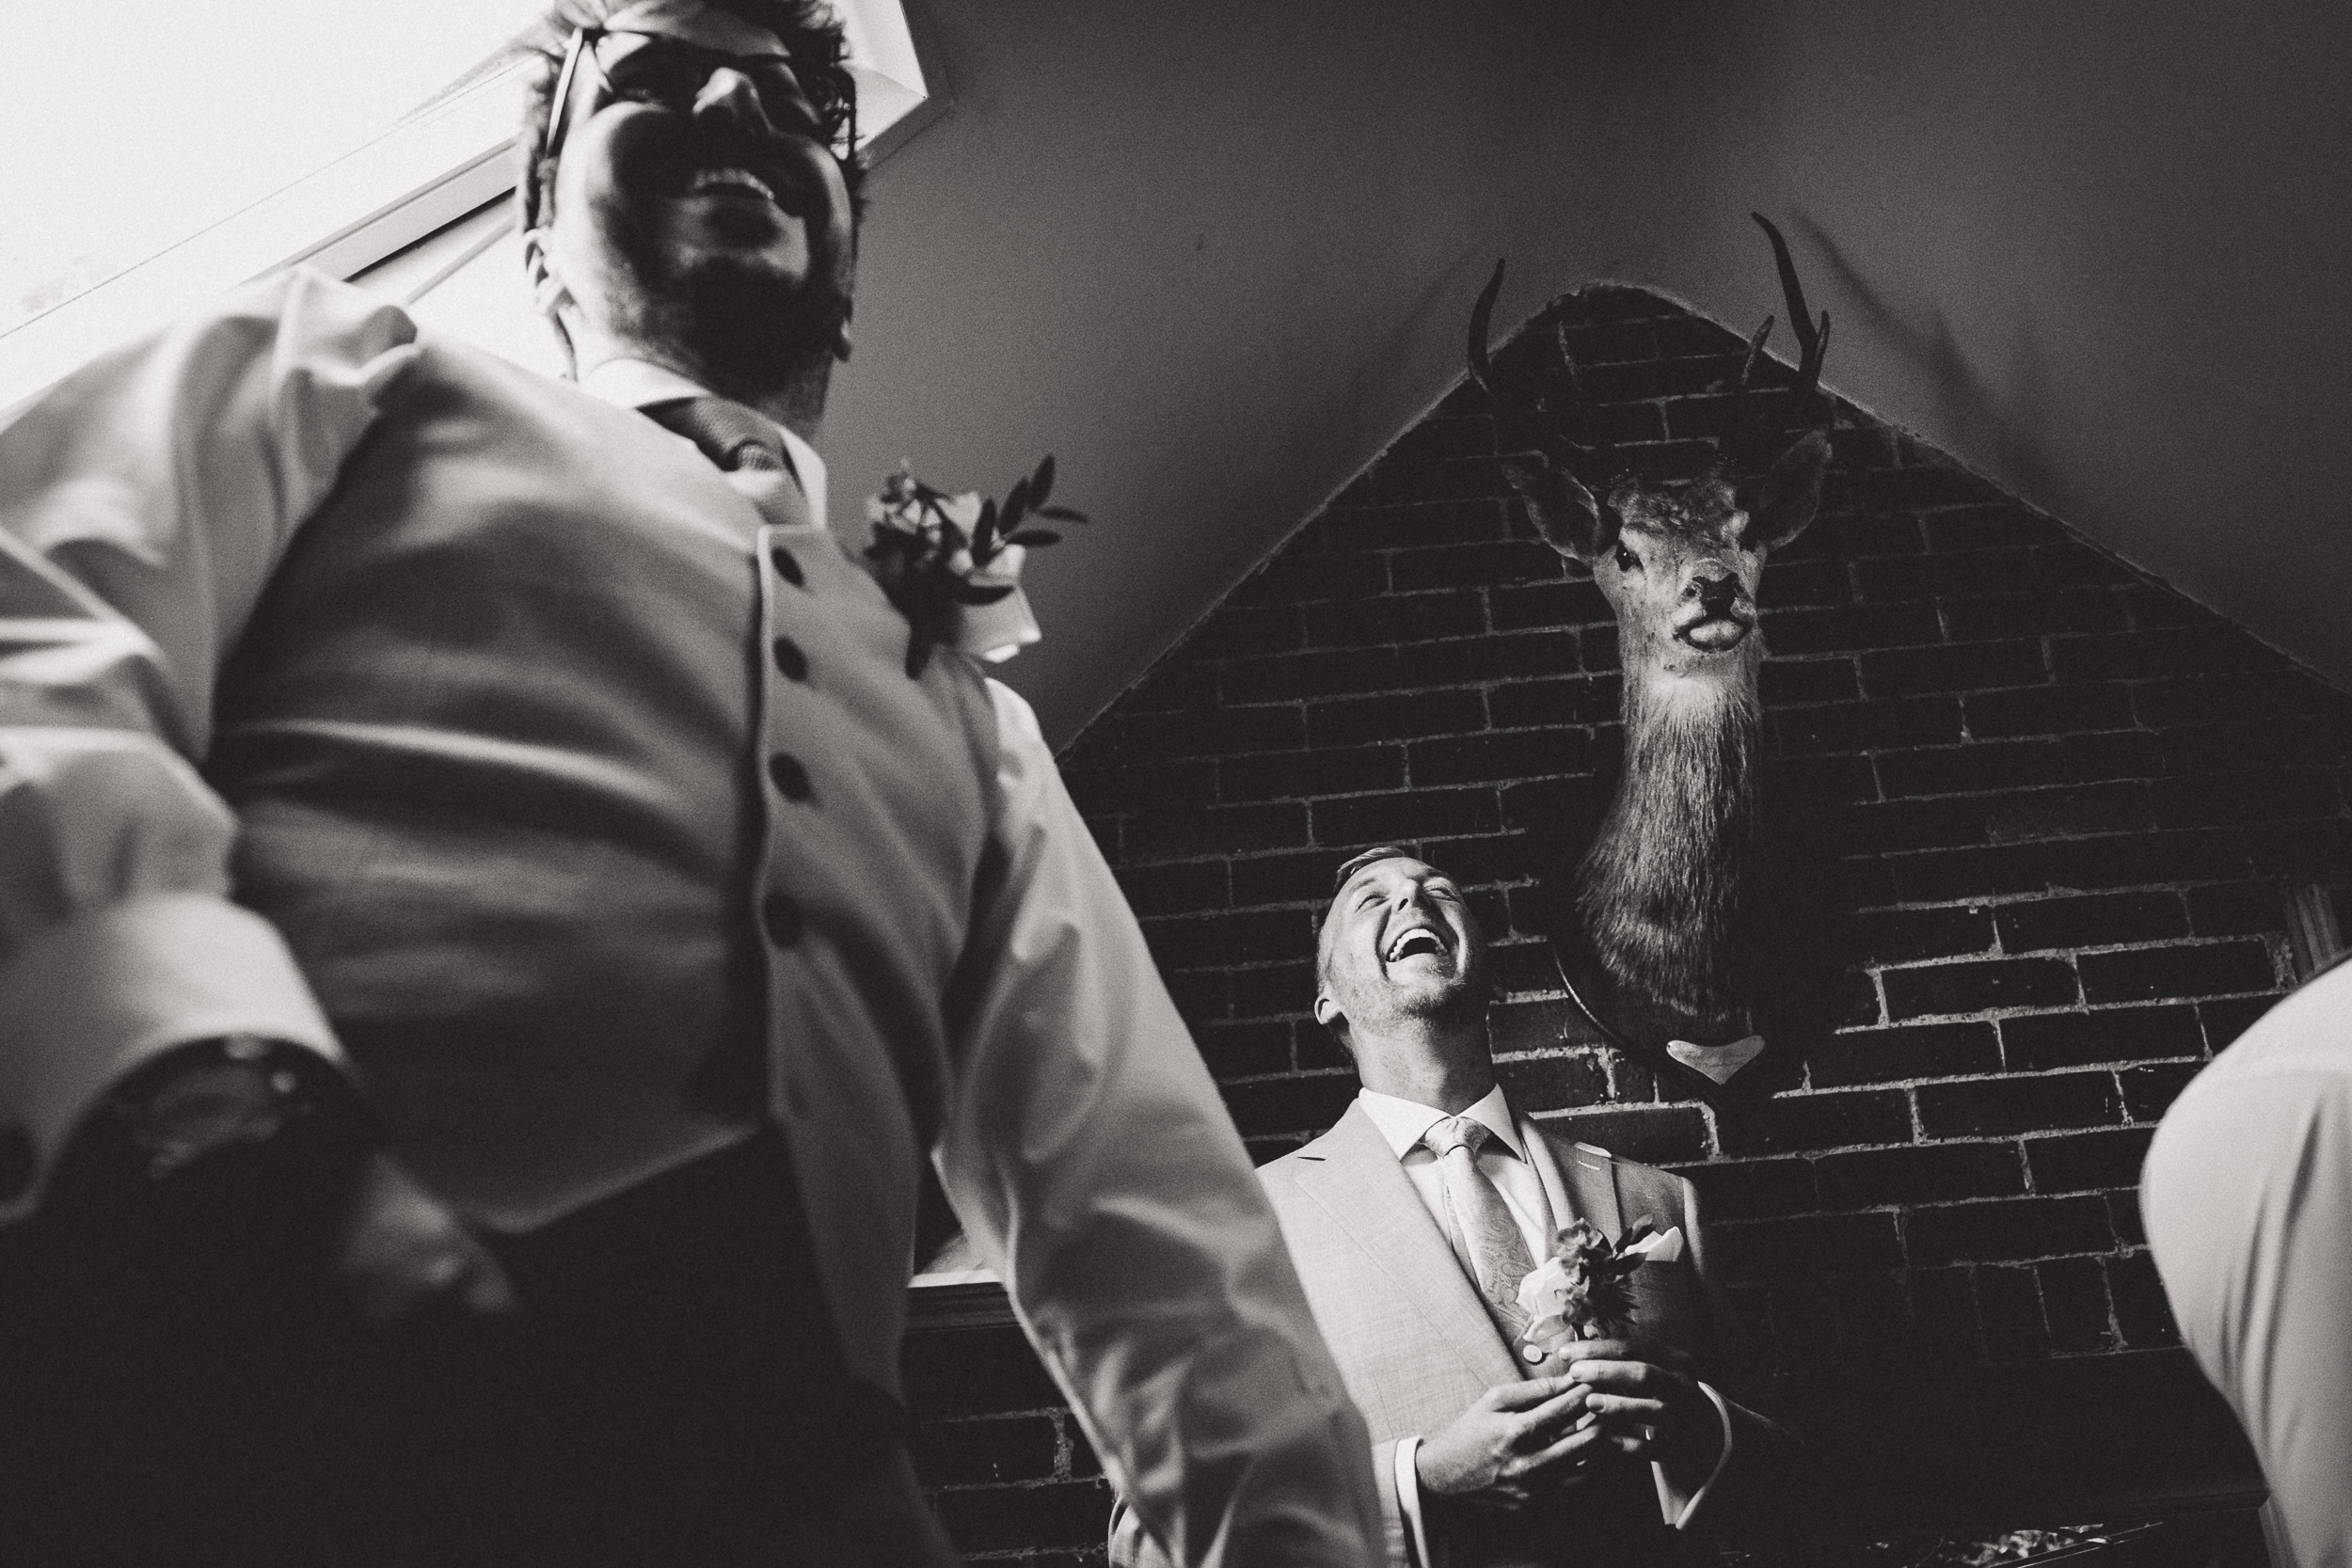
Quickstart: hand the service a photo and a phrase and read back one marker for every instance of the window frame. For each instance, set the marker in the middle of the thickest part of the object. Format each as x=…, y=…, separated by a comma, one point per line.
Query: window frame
x=448, y=166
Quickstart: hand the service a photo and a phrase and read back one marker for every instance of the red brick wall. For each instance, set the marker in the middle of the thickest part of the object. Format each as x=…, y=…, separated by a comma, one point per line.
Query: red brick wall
x=2075, y=798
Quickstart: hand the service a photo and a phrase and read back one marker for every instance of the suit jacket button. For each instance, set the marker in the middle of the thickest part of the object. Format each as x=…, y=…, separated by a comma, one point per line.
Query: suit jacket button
x=17, y=1163
x=789, y=777
x=779, y=917
x=786, y=568
x=790, y=660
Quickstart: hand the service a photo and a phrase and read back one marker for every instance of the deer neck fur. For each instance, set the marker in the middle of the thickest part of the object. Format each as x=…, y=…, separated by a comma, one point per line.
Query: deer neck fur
x=1661, y=887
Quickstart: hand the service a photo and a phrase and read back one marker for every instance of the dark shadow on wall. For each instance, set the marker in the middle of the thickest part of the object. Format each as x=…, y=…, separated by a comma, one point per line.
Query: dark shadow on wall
x=2008, y=425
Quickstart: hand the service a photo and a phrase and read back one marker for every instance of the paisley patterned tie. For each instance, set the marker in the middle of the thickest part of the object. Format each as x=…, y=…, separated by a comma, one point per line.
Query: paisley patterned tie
x=1485, y=1236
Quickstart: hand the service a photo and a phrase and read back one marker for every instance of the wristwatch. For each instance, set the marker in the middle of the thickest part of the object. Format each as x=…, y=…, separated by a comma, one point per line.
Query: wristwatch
x=231, y=1089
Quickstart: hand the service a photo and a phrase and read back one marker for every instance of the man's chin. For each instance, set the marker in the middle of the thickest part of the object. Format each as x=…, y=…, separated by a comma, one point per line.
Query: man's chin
x=1434, y=996
x=754, y=326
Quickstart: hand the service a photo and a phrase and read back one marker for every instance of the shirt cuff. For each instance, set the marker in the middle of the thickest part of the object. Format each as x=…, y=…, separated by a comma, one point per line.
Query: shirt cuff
x=1678, y=1509
x=1409, y=1499
x=90, y=998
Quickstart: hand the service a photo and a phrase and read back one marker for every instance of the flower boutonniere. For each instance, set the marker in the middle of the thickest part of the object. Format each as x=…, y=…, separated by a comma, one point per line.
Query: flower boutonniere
x=952, y=564
x=1584, y=1288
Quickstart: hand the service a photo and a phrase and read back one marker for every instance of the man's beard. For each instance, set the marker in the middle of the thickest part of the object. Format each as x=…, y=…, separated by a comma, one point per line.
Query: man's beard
x=754, y=331
x=1383, y=1008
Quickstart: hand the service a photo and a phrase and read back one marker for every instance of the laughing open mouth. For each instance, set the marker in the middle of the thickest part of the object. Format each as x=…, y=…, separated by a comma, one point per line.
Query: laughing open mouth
x=1420, y=941
x=741, y=180
x=670, y=160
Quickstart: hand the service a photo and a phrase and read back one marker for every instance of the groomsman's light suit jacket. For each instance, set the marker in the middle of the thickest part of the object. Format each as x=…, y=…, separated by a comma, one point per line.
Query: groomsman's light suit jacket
x=1416, y=1348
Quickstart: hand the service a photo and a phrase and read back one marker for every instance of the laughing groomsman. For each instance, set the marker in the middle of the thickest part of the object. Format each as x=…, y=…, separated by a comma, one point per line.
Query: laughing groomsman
x=1412, y=1222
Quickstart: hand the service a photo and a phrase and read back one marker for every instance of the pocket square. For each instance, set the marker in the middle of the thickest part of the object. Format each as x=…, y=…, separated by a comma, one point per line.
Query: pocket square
x=1663, y=1247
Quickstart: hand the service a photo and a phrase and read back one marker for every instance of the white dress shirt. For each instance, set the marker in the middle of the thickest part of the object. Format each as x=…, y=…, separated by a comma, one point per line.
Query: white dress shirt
x=2247, y=1194
x=1504, y=1160
x=640, y=383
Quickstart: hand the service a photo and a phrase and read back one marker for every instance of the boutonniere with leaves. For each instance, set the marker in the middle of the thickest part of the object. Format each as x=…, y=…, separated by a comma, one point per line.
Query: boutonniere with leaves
x=1584, y=1288
x=952, y=564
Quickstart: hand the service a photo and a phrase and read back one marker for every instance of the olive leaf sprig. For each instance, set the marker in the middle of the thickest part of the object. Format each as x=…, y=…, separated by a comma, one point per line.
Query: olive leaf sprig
x=927, y=564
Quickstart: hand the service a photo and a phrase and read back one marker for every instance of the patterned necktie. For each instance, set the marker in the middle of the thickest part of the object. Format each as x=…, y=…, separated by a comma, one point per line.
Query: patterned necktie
x=744, y=445
x=1485, y=1236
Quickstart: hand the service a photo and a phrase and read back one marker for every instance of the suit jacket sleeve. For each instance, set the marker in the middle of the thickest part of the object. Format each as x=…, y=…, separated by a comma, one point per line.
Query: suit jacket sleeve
x=1090, y=1156
x=144, y=501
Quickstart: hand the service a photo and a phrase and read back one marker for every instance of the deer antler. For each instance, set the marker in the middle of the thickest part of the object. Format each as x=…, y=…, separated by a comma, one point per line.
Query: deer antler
x=1563, y=510
x=1790, y=490
x=1812, y=346
x=1481, y=319
x=1812, y=342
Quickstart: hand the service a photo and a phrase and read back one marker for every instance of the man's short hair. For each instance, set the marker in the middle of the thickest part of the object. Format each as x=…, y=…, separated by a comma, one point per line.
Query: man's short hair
x=1348, y=868
x=1377, y=853
x=812, y=34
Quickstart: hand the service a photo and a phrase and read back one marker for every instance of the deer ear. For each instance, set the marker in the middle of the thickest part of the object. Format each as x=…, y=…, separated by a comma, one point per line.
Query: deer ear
x=1790, y=494
x=1564, y=512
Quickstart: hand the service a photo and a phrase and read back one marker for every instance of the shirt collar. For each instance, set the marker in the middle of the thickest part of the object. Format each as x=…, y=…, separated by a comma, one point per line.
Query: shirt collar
x=639, y=383
x=1402, y=1122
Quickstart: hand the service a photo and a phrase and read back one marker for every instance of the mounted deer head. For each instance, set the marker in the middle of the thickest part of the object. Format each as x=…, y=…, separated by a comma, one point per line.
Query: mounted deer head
x=1664, y=886
x=1680, y=560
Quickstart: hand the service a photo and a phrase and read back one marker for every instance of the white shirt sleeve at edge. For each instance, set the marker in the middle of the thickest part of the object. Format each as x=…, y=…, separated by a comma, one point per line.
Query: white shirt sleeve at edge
x=1672, y=1507
x=1678, y=1510
x=1409, y=1499
x=1096, y=1169
x=144, y=501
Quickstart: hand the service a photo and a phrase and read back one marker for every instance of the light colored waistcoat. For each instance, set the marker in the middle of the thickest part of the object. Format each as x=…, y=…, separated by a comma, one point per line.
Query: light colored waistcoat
x=587, y=821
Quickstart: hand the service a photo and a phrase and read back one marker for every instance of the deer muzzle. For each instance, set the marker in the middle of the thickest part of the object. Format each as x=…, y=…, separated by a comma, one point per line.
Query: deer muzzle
x=1714, y=614
x=1716, y=634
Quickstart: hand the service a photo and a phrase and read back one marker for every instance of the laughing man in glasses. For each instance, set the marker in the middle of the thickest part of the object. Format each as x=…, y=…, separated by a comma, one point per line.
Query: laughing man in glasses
x=491, y=932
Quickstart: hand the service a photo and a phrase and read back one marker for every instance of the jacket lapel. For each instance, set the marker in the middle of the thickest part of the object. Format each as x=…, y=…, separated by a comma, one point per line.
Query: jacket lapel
x=1353, y=1174
x=1585, y=1177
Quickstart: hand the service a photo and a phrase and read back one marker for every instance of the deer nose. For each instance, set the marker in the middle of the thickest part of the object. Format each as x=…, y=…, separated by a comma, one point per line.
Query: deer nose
x=1714, y=594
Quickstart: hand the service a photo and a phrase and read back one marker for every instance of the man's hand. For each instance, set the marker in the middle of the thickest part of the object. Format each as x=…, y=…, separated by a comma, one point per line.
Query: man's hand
x=402, y=1250
x=396, y=1249
x=1641, y=1407
x=1509, y=1440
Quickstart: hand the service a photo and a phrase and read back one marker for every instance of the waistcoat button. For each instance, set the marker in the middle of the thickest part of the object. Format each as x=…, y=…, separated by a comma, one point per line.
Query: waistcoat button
x=791, y=779
x=786, y=568
x=790, y=660
x=780, y=917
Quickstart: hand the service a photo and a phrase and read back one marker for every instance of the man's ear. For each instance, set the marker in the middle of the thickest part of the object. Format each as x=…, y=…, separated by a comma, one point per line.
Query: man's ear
x=547, y=293
x=1328, y=1014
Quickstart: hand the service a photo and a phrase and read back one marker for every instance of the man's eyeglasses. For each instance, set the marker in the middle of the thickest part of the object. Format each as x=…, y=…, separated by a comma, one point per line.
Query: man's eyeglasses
x=805, y=98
